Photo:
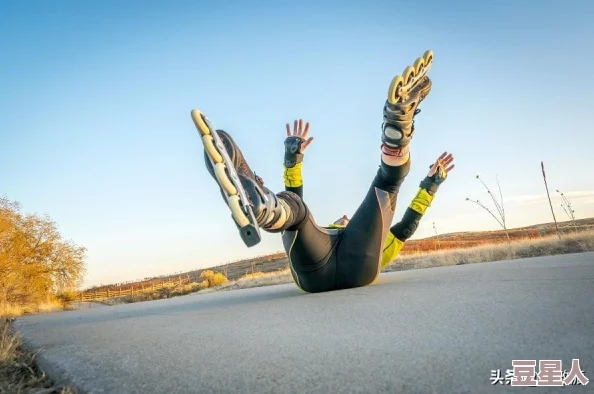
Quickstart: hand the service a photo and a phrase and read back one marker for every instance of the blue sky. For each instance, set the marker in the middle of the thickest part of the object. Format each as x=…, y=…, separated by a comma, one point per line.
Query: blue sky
x=95, y=101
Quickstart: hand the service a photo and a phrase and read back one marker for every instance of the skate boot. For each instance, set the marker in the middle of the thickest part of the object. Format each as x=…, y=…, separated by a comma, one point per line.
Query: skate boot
x=405, y=94
x=251, y=204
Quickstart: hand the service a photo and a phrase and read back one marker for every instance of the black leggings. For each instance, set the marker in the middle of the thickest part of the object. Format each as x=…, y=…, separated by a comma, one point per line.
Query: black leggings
x=324, y=259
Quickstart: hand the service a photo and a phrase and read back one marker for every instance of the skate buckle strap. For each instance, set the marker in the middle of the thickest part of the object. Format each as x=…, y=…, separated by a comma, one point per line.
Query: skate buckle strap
x=292, y=151
x=392, y=151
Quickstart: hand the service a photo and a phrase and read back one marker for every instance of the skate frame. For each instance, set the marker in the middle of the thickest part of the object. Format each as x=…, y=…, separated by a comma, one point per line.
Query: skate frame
x=250, y=233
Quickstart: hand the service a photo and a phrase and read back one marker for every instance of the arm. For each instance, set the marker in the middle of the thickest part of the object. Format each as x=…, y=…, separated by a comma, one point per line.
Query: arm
x=295, y=145
x=293, y=179
x=403, y=230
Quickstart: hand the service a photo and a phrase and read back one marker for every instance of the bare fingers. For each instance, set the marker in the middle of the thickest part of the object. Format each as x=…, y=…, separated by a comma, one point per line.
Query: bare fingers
x=447, y=160
x=298, y=129
x=306, y=130
x=444, y=161
x=306, y=144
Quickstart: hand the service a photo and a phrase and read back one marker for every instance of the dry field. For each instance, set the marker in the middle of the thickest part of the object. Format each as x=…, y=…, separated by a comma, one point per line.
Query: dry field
x=519, y=248
x=481, y=253
x=462, y=246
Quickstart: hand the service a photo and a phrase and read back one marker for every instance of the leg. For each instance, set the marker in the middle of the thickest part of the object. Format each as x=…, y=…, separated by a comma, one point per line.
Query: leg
x=309, y=249
x=252, y=205
x=307, y=245
x=359, y=253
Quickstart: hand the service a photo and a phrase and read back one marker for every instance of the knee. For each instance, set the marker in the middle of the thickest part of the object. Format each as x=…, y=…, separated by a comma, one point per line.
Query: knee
x=395, y=172
x=390, y=178
x=365, y=275
x=365, y=278
x=299, y=210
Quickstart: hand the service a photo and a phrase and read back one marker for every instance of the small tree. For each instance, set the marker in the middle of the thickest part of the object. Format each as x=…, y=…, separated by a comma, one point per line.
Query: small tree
x=544, y=177
x=500, y=218
x=567, y=208
x=35, y=261
x=566, y=205
x=436, y=236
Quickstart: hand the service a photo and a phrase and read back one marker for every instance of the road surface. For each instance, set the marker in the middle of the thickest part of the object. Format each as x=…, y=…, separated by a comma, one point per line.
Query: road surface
x=438, y=330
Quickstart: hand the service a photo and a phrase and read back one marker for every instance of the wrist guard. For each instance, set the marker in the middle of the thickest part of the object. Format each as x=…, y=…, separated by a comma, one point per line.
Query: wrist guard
x=431, y=184
x=293, y=153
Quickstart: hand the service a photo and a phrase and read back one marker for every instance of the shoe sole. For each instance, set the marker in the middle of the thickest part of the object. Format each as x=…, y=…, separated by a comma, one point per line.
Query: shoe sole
x=228, y=180
x=401, y=85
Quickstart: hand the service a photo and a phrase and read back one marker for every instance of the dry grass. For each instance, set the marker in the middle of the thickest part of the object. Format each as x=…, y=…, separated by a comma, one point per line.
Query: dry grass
x=13, y=310
x=164, y=292
x=8, y=310
x=258, y=279
x=213, y=279
x=18, y=370
x=520, y=248
x=528, y=247
x=472, y=239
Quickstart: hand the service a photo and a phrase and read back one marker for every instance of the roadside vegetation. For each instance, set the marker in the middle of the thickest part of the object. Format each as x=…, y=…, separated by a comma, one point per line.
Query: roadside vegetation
x=38, y=271
x=209, y=280
x=520, y=248
x=38, y=268
x=19, y=372
x=575, y=242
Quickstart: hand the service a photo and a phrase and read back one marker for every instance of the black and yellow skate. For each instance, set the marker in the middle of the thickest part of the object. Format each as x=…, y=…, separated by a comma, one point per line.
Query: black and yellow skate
x=223, y=163
x=405, y=93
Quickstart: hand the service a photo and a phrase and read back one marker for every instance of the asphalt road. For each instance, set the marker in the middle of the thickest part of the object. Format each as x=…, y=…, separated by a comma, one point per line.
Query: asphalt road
x=438, y=330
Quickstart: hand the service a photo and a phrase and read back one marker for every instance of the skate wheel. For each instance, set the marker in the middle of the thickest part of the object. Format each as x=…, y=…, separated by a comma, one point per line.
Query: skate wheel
x=408, y=74
x=224, y=181
x=237, y=212
x=198, y=119
x=209, y=146
x=428, y=56
x=397, y=83
x=419, y=65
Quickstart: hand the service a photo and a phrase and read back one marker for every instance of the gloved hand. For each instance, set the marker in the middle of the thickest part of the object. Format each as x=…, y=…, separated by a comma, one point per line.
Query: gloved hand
x=296, y=143
x=438, y=173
